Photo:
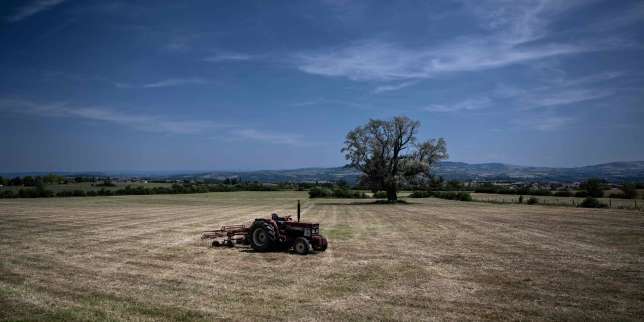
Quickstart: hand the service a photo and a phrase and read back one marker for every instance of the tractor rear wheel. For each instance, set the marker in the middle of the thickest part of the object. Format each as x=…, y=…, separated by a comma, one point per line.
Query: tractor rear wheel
x=262, y=236
x=301, y=246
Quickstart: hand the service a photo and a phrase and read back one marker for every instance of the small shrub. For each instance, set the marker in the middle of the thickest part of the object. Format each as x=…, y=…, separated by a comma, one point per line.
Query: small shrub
x=452, y=195
x=380, y=195
x=7, y=194
x=540, y=192
x=591, y=202
x=629, y=191
x=419, y=194
x=532, y=201
x=581, y=194
x=521, y=199
x=319, y=192
x=338, y=192
x=563, y=193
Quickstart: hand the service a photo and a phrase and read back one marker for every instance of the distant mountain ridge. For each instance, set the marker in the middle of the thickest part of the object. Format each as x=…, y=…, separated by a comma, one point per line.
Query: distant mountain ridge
x=613, y=172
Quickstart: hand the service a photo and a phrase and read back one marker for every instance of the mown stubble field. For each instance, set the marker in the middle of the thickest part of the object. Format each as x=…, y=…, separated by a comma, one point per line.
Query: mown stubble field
x=140, y=258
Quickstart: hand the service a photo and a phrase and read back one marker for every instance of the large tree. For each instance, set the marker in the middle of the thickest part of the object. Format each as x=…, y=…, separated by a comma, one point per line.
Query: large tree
x=388, y=153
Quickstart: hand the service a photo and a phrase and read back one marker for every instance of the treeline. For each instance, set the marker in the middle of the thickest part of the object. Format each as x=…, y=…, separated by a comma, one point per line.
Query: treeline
x=593, y=188
x=450, y=195
x=41, y=192
x=336, y=192
x=32, y=181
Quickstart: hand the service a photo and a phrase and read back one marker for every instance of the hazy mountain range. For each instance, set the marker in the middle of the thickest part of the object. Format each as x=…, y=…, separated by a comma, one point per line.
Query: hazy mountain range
x=614, y=172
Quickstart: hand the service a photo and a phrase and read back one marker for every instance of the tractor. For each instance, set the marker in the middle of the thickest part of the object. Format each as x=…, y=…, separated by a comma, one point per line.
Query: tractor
x=269, y=234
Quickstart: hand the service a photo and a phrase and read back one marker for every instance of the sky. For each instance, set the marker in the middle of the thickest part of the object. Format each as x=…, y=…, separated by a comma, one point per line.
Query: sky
x=241, y=85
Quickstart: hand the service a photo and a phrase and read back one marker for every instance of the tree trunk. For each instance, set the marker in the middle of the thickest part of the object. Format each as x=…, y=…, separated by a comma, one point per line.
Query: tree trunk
x=391, y=194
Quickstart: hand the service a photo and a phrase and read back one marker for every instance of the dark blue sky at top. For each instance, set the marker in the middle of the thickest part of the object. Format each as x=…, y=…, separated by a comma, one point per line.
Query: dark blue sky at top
x=204, y=85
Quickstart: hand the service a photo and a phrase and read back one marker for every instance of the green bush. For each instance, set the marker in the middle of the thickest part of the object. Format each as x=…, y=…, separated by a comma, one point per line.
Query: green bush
x=319, y=192
x=453, y=195
x=581, y=194
x=540, y=192
x=591, y=202
x=420, y=194
x=629, y=190
x=380, y=195
x=563, y=193
x=7, y=194
x=594, y=187
x=532, y=201
x=338, y=192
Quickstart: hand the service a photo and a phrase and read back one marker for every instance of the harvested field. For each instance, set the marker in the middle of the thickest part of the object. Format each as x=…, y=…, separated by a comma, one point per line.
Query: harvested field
x=140, y=258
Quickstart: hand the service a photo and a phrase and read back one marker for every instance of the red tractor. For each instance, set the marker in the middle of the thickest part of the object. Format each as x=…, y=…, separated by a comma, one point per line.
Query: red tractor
x=276, y=233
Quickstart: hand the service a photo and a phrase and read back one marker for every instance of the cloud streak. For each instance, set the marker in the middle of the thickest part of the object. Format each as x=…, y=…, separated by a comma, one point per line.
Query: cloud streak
x=267, y=137
x=228, y=57
x=566, y=97
x=558, y=92
x=465, y=105
x=389, y=88
x=544, y=123
x=150, y=123
x=516, y=34
x=171, y=82
x=32, y=9
x=142, y=122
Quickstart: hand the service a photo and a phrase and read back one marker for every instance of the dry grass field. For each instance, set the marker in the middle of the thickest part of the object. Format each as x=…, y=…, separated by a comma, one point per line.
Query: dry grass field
x=140, y=258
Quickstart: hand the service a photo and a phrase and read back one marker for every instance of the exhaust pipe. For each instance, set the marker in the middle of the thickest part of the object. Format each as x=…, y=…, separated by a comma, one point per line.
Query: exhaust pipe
x=298, y=211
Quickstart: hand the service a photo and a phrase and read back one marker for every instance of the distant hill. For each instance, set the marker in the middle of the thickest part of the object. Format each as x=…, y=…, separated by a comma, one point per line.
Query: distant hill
x=613, y=172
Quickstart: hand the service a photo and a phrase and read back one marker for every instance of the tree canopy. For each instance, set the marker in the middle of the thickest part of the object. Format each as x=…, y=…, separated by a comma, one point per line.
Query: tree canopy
x=388, y=152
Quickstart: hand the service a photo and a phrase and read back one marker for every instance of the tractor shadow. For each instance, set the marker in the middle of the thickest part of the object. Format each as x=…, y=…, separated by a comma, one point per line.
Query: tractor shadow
x=248, y=250
x=287, y=252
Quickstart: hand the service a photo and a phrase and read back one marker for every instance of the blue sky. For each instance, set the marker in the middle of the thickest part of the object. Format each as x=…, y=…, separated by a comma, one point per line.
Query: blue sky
x=204, y=85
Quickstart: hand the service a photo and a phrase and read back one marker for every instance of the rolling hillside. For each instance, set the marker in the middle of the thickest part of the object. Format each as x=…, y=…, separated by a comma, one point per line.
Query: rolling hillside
x=614, y=172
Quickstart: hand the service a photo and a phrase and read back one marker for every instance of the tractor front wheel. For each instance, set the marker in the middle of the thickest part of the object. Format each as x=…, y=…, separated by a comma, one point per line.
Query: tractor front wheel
x=301, y=246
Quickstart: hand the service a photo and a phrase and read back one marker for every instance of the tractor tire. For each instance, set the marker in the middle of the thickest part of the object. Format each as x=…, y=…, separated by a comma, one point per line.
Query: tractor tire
x=262, y=237
x=324, y=246
x=301, y=246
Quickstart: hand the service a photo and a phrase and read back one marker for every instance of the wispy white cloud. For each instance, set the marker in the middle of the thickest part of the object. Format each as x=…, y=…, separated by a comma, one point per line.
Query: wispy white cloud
x=326, y=101
x=563, y=81
x=394, y=87
x=176, y=82
x=267, y=137
x=143, y=122
x=565, y=97
x=544, y=123
x=149, y=123
x=465, y=105
x=379, y=60
x=556, y=92
x=228, y=56
x=31, y=9
x=516, y=33
x=171, y=82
